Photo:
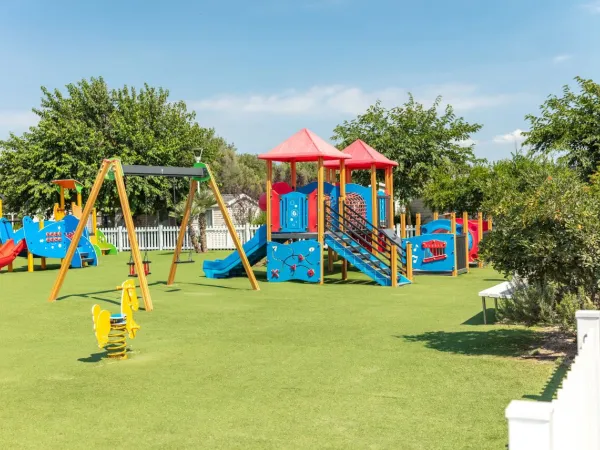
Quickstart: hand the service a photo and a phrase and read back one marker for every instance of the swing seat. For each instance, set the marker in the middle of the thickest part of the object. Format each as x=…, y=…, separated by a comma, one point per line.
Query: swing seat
x=190, y=261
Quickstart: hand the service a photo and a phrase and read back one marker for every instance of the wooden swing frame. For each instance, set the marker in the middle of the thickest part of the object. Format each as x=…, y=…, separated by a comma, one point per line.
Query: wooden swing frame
x=119, y=172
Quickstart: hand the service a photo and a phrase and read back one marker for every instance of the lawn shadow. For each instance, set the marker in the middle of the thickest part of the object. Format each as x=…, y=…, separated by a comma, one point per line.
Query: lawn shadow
x=477, y=319
x=496, y=280
x=554, y=382
x=510, y=343
x=97, y=357
x=216, y=286
x=94, y=357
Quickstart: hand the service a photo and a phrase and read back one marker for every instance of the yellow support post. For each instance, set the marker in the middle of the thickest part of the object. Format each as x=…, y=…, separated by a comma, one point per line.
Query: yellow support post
x=321, y=213
x=181, y=236
x=0, y=207
x=403, y=225
x=43, y=263
x=489, y=221
x=293, y=175
x=268, y=195
x=128, y=217
x=453, y=231
x=79, y=199
x=341, y=203
x=409, y=262
x=436, y=215
x=394, y=265
x=30, y=266
x=232, y=231
x=418, y=224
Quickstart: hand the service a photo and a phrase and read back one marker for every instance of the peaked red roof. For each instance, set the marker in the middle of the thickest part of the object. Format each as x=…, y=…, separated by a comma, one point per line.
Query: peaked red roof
x=304, y=146
x=363, y=156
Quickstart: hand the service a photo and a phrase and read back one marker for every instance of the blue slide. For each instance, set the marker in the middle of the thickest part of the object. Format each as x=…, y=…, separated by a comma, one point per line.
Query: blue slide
x=255, y=249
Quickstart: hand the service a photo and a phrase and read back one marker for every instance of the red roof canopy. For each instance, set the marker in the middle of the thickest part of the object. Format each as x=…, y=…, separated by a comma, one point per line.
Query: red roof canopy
x=363, y=157
x=304, y=146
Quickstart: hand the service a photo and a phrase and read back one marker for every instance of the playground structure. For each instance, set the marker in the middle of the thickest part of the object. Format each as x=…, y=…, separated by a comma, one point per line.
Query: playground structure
x=96, y=237
x=111, y=330
x=353, y=221
x=113, y=169
x=445, y=245
x=49, y=239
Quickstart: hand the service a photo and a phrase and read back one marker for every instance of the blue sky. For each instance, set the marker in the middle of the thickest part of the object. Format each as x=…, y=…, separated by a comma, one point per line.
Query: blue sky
x=260, y=70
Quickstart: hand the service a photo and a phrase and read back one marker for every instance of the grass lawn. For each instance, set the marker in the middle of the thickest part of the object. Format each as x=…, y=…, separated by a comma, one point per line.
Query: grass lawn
x=216, y=365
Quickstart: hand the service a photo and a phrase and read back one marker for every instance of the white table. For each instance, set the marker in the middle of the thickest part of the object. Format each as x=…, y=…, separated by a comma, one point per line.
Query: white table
x=502, y=290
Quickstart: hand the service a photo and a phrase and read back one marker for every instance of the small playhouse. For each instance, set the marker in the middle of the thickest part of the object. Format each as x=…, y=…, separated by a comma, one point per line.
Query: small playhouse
x=350, y=221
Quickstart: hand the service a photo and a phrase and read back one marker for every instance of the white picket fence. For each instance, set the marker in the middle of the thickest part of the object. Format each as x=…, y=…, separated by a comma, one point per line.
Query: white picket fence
x=572, y=420
x=410, y=230
x=165, y=238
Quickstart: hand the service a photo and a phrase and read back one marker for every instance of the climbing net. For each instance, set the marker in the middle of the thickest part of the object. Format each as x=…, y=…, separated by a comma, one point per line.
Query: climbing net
x=357, y=203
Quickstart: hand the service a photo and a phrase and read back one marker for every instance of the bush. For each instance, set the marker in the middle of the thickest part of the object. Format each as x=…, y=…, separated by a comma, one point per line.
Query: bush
x=261, y=219
x=531, y=304
x=568, y=306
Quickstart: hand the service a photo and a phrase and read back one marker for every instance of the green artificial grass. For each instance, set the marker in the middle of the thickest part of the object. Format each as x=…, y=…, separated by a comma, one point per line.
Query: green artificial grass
x=216, y=365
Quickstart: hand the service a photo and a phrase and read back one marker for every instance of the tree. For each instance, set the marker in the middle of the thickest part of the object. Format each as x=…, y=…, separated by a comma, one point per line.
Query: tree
x=457, y=188
x=570, y=125
x=421, y=140
x=202, y=201
x=90, y=122
x=545, y=226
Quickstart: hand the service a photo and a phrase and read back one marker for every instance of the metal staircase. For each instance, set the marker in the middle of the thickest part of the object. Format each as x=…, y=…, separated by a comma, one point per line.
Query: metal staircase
x=363, y=245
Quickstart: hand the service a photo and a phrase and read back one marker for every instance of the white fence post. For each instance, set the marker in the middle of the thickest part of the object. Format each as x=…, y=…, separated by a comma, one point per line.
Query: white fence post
x=529, y=425
x=587, y=320
x=120, y=238
x=246, y=233
x=161, y=241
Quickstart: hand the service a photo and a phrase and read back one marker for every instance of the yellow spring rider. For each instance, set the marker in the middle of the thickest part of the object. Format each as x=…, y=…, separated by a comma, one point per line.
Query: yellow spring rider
x=111, y=329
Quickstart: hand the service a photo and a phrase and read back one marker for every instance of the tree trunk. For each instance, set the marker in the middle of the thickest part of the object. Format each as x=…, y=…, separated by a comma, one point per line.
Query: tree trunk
x=202, y=225
x=193, y=237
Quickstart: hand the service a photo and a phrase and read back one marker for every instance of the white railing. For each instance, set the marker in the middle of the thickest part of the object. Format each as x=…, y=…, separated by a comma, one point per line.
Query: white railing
x=165, y=238
x=410, y=230
x=572, y=420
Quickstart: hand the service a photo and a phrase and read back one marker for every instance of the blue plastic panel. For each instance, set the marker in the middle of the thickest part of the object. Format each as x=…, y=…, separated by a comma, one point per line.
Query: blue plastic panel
x=296, y=261
x=423, y=258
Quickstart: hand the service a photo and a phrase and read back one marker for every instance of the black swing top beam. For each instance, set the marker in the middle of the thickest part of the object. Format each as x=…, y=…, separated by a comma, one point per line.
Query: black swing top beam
x=164, y=171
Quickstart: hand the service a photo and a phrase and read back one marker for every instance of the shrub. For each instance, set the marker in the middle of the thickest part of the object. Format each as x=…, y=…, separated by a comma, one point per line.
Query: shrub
x=531, y=304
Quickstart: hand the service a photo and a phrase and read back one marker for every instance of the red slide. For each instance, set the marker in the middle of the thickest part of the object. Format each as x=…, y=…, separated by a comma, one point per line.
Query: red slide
x=9, y=251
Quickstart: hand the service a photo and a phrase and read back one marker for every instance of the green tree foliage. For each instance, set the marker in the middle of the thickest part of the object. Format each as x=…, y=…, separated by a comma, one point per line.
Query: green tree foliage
x=570, y=124
x=90, y=122
x=420, y=139
x=546, y=226
x=457, y=188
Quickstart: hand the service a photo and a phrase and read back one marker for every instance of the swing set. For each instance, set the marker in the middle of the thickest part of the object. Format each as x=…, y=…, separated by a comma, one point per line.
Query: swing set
x=138, y=267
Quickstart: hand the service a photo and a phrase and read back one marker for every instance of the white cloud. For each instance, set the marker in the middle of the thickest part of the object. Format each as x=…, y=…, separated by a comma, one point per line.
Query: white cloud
x=346, y=100
x=510, y=138
x=468, y=142
x=558, y=59
x=17, y=119
x=593, y=7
